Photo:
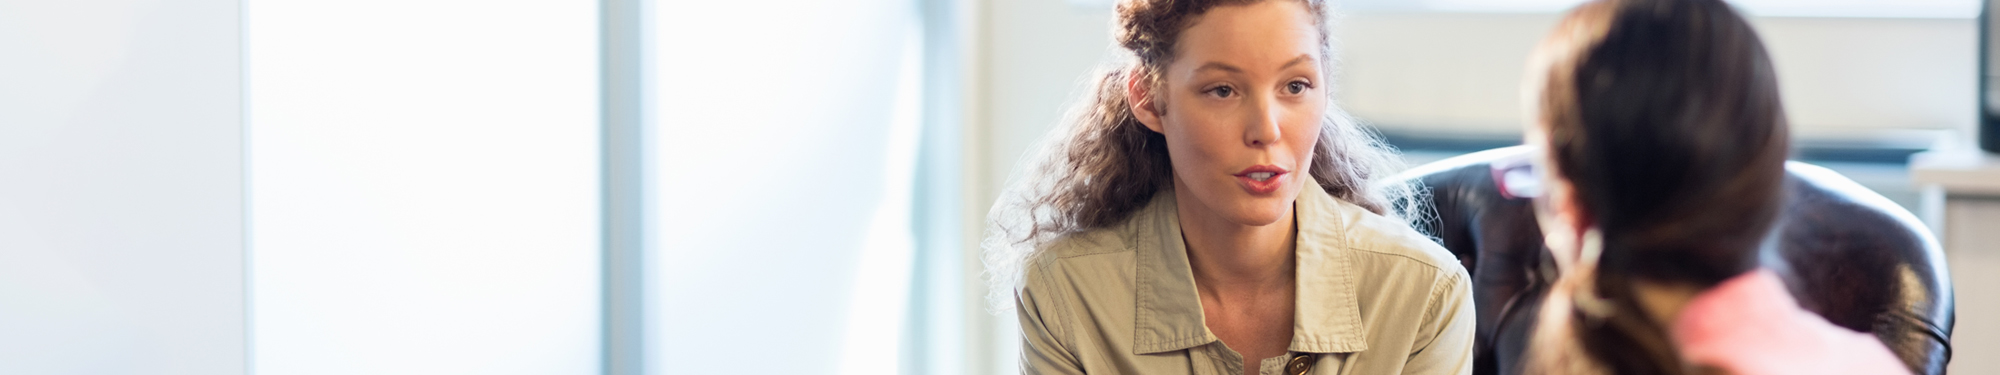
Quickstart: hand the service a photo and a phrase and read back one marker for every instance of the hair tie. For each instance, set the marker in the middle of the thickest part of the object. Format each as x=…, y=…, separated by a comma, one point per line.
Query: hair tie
x=1585, y=299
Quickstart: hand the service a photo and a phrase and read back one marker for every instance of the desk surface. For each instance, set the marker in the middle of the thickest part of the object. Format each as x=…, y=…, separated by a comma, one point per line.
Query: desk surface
x=1966, y=170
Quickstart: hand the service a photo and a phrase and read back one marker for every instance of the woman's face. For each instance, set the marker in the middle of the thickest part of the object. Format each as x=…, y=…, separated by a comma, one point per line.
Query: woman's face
x=1240, y=107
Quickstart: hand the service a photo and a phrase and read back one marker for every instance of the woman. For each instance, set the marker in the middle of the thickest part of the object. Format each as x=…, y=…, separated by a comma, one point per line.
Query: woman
x=1662, y=146
x=1210, y=212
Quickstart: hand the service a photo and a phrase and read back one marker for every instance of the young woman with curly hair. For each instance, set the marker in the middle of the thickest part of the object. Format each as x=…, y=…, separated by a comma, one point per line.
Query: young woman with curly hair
x=1210, y=211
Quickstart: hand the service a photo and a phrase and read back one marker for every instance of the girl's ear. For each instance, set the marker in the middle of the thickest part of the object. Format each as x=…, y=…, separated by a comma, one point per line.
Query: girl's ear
x=1567, y=223
x=1139, y=94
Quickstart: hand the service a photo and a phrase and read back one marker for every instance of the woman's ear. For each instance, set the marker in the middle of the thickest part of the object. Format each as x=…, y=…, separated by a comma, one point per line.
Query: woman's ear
x=1139, y=94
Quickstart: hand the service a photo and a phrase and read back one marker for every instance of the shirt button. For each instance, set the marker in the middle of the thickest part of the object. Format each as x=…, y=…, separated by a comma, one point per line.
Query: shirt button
x=1299, y=365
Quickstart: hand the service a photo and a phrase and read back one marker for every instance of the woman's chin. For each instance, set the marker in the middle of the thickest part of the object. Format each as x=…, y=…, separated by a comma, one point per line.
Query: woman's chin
x=1258, y=214
x=1240, y=208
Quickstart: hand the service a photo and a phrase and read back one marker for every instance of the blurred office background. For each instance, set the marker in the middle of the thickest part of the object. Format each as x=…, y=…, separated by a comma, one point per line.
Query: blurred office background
x=686, y=187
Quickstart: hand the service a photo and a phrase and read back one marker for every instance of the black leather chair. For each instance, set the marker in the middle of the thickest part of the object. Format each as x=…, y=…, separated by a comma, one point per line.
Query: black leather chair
x=1847, y=253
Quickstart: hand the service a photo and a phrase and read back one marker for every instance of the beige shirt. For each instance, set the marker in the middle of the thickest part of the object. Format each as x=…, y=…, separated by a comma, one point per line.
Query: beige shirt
x=1374, y=297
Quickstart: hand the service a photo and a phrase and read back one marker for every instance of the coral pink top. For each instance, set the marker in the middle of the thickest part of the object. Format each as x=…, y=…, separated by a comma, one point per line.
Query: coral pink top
x=1750, y=325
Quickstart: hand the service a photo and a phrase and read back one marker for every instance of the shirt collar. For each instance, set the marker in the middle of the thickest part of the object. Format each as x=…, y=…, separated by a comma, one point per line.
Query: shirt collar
x=1328, y=316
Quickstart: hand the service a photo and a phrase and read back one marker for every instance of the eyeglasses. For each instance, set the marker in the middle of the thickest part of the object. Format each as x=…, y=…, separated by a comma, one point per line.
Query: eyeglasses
x=1518, y=177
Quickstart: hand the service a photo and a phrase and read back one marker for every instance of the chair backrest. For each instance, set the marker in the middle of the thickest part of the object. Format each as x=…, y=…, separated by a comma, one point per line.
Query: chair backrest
x=1847, y=253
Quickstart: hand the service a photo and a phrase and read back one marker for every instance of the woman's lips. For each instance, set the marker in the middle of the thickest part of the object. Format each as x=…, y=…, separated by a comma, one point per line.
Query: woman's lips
x=1261, y=179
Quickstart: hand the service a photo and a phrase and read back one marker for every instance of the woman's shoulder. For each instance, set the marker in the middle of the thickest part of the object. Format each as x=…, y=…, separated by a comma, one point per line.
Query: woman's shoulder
x=1136, y=230
x=1357, y=229
x=1101, y=259
x=1090, y=242
x=1084, y=251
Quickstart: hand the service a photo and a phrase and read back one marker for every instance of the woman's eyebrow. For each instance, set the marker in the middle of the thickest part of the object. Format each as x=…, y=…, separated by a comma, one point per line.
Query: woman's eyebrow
x=1217, y=65
x=1303, y=57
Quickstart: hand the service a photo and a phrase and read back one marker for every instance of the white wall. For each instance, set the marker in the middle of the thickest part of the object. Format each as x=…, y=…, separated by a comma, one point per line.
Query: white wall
x=121, y=181
x=424, y=187
x=783, y=161
x=1462, y=71
x=1032, y=57
x=1842, y=78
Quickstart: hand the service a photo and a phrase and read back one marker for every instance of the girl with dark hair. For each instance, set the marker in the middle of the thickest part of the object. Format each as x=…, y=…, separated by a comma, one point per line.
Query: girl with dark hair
x=1662, y=144
x=1209, y=211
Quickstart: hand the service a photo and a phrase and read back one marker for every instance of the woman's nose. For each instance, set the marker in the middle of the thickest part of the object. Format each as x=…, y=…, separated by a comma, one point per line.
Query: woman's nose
x=1262, y=127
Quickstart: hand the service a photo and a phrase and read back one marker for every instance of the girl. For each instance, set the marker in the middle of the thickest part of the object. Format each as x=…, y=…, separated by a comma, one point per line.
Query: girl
x=1662, y=146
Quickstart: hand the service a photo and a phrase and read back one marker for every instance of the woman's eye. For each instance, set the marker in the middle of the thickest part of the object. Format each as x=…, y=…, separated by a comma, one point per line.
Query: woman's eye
x=1297, y=87
x=1222, y=92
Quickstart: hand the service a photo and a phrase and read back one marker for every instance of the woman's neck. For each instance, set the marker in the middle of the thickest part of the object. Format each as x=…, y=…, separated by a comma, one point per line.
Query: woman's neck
x=1229, y=256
